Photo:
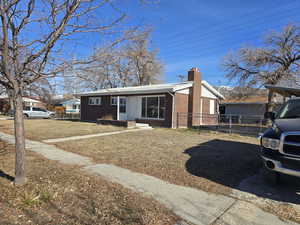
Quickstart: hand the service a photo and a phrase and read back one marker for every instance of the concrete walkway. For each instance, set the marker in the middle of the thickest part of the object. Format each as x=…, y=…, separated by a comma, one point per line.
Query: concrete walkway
x=93, y=135
x=192, y=205
x=50, y=151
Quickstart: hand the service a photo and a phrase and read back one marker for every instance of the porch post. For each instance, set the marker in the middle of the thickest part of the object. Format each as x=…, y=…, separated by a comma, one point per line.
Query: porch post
x=118, y=108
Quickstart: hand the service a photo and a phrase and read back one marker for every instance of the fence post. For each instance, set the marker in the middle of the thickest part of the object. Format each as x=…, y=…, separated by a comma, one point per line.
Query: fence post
x=261, y=124
x=230, y=124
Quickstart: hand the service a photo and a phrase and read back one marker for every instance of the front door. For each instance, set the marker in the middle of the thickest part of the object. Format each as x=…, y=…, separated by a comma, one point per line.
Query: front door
x=123, y=108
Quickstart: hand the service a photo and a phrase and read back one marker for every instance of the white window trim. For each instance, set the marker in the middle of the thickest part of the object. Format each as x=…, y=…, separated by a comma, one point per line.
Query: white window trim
x=111, y=100
x=93, y=102
x=152, y=118
x=115, y=97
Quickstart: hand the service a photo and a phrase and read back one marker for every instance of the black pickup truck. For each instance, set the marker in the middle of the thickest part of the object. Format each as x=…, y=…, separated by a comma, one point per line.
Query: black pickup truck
x=280, y=144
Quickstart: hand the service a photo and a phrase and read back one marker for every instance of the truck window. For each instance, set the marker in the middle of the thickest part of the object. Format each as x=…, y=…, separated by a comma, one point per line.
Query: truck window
x=290, y=110
x=38, y=109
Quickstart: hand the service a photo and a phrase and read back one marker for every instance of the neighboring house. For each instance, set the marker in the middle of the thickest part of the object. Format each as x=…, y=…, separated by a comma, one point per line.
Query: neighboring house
x=27, y=101
x=71, y=105
x=157, y=105
x=253, y=105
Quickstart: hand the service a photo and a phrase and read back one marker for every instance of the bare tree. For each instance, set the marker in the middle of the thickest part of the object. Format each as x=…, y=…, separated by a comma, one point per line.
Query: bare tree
x=127, y=64
x=145, y=66
x=276, y=63
x=181, y=77
x=31, y=34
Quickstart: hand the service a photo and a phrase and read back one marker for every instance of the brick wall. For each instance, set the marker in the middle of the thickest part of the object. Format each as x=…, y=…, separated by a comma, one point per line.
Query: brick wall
x=181, y=110
x=94, y=112
x=207, y=118
x=194, y=105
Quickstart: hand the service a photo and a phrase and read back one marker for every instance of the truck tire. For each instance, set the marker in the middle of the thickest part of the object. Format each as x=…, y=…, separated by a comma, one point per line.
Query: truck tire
x=25, y=116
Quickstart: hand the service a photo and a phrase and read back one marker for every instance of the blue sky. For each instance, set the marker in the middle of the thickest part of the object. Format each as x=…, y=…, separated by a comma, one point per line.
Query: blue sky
x=199, y=33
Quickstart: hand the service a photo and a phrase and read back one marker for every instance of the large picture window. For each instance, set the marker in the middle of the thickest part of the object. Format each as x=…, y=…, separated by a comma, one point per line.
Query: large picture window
x=153, y=107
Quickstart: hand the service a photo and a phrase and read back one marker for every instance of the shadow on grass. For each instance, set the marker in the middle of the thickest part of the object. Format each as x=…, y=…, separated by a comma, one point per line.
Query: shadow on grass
x=239, y=166
x=6, y=176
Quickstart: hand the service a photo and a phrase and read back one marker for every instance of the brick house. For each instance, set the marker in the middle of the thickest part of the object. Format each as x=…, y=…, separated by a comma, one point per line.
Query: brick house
x=156, y=105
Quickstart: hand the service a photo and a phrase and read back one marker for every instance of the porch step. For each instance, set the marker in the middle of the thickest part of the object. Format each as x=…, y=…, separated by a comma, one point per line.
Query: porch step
x=143, y=125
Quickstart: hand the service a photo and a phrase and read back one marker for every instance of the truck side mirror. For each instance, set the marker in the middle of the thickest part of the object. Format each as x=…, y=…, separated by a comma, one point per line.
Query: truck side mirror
x=270, y=115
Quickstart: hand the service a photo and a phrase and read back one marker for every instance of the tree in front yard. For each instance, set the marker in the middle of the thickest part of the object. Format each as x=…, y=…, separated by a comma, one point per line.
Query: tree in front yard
x=278, y=62
x=130, y=63
x=32, y=33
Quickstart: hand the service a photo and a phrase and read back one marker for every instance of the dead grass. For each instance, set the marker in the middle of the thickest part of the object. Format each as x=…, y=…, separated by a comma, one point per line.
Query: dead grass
x=180, y=157
x=41, y=129
x=57, y=195
x=213, y=162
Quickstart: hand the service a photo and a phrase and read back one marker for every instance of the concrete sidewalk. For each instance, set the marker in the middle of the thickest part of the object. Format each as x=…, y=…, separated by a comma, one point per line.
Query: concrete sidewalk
x=192, y=205
x=93, y=135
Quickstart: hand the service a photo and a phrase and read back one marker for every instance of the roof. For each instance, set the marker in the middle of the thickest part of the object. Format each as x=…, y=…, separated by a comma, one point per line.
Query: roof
x=285, y=91
x=149, y=89
x=212, y=89
x=25, y=99
x=71, y=101
x=253, y=99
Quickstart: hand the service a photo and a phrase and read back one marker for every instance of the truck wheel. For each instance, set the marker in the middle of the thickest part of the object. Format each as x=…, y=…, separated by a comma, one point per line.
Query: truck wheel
x=25, y=116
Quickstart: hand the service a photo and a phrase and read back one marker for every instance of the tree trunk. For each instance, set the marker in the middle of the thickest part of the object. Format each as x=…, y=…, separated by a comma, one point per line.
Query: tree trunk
x=20, y=177
x=10, y=98
x=270, y=106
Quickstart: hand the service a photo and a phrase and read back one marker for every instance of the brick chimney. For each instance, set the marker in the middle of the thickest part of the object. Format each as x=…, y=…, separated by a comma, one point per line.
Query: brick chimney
x=194, y=107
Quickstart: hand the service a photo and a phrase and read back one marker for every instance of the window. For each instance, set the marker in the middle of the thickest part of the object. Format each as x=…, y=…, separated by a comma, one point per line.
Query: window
x=211, y=106
x=74, y=106
x=94, y=100
x=153, y=107
x=289, y=110
x=38, y=109
x=122, y=105
x=27, y=108
x=113, y=100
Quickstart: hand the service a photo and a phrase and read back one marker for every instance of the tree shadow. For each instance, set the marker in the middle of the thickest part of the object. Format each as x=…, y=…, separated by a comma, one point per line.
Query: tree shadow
x=239, y=166
x=6, y=176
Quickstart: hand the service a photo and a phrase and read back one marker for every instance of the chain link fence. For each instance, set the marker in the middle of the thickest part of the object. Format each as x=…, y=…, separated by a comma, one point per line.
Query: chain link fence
x=240, y=124
x=67, y=116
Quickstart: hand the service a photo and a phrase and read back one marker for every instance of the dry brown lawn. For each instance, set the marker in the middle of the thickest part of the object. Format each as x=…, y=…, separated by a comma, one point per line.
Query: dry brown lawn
x=213, y=162
x=180, y=157
x=58, y=195
x=41, y=129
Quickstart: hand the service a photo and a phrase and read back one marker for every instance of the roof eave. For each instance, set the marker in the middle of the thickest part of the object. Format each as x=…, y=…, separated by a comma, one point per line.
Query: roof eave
x=128, y=92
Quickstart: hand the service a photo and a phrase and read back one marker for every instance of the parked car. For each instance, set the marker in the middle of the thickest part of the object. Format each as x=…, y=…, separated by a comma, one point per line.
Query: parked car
x=280, y=144
x=35, y=112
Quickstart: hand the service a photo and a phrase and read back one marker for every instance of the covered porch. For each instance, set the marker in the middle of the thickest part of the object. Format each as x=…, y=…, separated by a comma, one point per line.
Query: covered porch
x=143, y=109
